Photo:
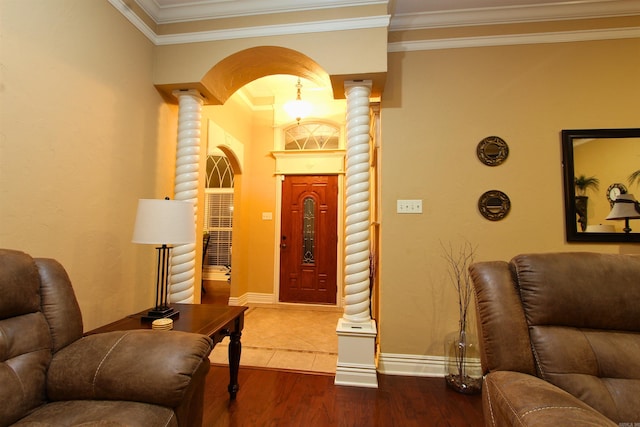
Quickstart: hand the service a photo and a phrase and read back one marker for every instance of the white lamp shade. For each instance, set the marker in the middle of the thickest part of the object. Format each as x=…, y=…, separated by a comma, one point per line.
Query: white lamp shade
x=164, y=222
x=624, y=206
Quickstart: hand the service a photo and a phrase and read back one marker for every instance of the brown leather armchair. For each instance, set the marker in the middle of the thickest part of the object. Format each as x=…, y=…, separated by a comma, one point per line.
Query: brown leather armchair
x=50, y=375
x=560, y=339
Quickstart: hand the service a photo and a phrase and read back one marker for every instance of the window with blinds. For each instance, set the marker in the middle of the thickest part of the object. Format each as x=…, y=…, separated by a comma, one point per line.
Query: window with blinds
x=219, y=217
x=218, y=212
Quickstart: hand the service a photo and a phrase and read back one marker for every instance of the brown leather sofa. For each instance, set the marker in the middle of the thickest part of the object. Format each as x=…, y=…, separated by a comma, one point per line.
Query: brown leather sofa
x=50, y=375
x=559, y=338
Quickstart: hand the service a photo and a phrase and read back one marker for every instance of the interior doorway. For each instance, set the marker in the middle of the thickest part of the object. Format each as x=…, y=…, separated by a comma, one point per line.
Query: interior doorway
x=309, y=239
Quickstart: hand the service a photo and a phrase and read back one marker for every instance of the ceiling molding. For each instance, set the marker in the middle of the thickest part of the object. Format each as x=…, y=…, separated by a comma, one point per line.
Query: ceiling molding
x=195, y=11
x=516, y=14
x=123, y=8
x=515, y=39
x=469, y=17
x=276, y=30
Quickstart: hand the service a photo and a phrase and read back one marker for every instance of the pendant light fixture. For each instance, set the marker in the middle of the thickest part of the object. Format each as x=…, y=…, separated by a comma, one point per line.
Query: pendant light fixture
x=298, y=109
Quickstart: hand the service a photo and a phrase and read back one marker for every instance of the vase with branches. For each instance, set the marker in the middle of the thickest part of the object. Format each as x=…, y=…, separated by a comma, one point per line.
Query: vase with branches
x=463, y=372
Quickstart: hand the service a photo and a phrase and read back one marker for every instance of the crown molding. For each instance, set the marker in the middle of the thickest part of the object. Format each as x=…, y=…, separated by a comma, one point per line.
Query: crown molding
x=227, y=9
x=516, y=39
x=247, y=32
x=124, y=9
x=516, y=14
x=568, y=10
x=276, y=30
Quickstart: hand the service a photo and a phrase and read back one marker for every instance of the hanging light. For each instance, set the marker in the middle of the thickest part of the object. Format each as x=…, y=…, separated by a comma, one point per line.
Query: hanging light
x=298, y=109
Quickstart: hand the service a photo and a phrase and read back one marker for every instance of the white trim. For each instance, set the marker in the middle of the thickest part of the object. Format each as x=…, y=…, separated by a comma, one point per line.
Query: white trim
x=258, y=31
x=122, y=7
x=228, y=9
x=252, y=298
x=415, y=365
x=568, y=10
x=515, y=14
x=215, y=274
x=309, y=162
x=275, y=30
x=356, y=376
x=516, y=39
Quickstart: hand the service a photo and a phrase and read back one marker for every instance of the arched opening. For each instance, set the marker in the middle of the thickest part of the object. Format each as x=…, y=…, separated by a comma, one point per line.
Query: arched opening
x=243, y=67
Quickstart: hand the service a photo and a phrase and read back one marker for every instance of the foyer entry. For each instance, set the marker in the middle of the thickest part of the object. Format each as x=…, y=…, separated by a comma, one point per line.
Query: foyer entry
x=309, y=237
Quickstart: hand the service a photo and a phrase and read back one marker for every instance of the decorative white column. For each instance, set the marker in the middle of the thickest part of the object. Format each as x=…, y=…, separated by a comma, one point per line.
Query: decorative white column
x=183, y=259
x=356, y=330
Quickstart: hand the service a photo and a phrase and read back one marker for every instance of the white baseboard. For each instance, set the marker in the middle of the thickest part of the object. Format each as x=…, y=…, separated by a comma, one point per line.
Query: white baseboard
x=388, y=363
x=252, y=298
x=415, y=365
x=215, y=274
x=411, y=365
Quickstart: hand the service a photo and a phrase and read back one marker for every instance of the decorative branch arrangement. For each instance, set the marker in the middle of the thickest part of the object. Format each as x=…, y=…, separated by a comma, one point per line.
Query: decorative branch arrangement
x=459, y=262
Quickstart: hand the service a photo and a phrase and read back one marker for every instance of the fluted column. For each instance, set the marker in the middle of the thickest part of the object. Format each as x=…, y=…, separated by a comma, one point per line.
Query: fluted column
x=183, y=260
x=357, y=223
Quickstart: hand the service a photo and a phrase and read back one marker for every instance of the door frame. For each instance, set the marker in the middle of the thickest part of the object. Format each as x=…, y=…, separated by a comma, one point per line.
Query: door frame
x=331, y=163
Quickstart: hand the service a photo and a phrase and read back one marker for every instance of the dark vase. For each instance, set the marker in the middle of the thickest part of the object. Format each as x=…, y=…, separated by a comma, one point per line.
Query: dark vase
x=581, y=211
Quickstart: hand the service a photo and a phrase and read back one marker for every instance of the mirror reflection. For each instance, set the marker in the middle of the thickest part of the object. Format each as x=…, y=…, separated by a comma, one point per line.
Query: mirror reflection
x=599, y=166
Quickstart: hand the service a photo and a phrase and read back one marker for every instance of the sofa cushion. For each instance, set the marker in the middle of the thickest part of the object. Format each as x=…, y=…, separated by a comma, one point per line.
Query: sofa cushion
x=582, y=290
x=100, y=413
x=25, y=339
x=19, y=283
x=58, y=303
x=584, y=326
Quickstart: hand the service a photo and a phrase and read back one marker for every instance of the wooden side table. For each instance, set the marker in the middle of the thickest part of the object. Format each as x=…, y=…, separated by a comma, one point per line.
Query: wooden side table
x=215, y=321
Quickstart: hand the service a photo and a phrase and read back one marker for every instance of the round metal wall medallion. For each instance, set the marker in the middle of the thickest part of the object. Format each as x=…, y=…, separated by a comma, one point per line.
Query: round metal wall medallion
x=494, y=205
x=492, y=151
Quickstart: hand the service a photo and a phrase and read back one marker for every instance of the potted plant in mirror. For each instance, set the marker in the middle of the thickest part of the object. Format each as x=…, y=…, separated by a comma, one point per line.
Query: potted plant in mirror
x=463, y=372
x=635, y=176
x=582, y=184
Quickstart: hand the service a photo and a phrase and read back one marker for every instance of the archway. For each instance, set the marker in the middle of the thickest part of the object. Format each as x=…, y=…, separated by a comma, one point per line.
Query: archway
x=358, y=329
x=243, y=67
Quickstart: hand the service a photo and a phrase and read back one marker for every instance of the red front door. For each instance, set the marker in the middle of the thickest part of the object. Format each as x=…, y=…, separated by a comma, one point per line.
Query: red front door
x=309, y=239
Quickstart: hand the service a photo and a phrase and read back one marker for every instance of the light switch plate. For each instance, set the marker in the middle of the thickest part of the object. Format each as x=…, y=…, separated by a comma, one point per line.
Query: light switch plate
x=409, y=206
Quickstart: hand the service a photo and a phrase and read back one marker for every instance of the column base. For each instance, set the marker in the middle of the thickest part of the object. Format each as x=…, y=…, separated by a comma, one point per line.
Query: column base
x=356, y=354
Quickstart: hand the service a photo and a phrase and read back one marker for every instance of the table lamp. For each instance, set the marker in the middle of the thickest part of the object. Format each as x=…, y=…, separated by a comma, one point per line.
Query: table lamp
x=626, y=207
x=163, y=222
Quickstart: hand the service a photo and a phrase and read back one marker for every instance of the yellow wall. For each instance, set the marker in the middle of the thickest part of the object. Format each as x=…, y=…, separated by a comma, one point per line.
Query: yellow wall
x=436, y=107
x=337, y=52
x=83, y=136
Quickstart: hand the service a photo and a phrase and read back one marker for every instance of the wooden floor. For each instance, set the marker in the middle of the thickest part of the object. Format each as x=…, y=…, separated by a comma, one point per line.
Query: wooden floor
x=269, y=397
x=215, y=292
x=279, y=398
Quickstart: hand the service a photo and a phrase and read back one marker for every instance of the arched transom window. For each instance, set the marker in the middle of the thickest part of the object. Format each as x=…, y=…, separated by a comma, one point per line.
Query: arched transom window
x=312, y=136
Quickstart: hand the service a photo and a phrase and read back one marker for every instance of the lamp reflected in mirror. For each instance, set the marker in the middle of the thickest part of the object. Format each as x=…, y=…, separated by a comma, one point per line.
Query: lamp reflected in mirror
x=626, y=207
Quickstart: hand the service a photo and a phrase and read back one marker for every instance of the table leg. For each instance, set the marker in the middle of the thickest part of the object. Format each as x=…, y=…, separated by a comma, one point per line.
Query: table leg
x=235, y=348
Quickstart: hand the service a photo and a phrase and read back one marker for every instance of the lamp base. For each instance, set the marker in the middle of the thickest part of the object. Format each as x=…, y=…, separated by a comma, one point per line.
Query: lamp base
x=161, y=313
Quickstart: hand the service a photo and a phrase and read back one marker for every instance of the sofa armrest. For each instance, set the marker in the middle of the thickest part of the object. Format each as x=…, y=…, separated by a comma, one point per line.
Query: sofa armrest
x=141, y=365
x=514, y=398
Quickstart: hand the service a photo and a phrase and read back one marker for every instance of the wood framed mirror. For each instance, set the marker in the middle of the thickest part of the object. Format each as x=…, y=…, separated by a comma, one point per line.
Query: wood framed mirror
x=609, y=157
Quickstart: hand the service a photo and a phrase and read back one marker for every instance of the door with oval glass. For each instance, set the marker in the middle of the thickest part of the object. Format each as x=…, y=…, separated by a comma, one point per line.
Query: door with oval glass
x=309, y=238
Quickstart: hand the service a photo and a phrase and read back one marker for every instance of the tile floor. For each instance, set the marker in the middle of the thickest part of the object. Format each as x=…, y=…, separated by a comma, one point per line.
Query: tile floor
x=287, y=338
